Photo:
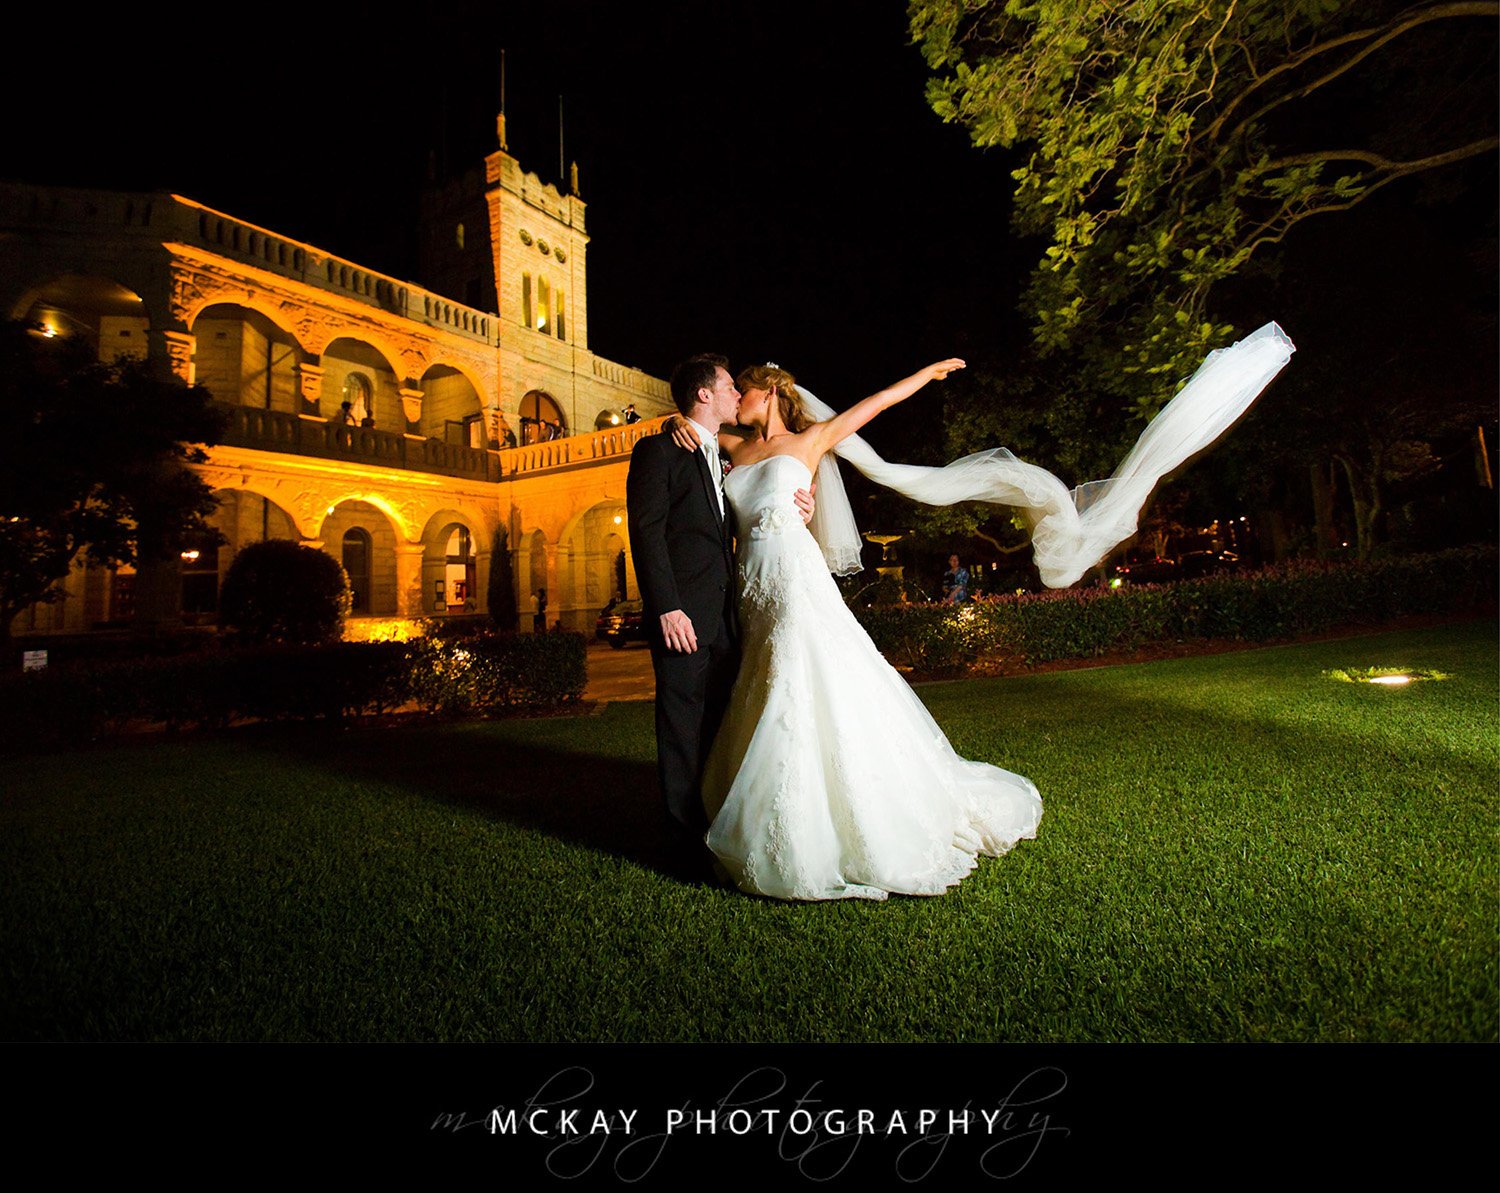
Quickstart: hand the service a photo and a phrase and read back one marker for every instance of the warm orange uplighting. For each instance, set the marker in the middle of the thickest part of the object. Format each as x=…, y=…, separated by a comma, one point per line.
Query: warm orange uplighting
x=383, y=629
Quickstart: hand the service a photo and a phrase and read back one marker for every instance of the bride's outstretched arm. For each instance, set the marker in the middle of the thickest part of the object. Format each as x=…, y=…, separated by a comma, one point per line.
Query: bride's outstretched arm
x=830, y=434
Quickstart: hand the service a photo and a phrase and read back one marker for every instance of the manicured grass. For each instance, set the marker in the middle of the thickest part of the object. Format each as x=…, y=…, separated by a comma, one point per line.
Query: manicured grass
x=1234, y=848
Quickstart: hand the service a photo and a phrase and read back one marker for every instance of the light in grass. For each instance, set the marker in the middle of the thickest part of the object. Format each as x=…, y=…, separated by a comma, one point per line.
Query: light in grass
x=1386, y=677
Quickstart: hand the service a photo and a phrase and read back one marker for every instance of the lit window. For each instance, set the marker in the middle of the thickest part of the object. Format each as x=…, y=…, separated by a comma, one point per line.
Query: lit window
x=357, y=394
x=544, y=306
x=458, y=236
x=526, y=299
x=562, y=331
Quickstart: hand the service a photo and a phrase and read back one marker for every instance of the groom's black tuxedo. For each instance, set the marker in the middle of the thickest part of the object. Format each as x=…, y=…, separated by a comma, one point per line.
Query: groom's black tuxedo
x=684, y=559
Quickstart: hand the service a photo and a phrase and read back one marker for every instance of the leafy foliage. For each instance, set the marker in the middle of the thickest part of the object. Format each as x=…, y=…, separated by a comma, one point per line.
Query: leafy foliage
x=61, y=706
x=280, y=591
x=93, y=460
x=1277, y=602
x=1170, y=141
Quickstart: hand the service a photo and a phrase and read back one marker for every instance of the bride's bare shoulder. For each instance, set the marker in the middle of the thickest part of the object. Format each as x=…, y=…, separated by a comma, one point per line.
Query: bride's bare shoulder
x=737, y=441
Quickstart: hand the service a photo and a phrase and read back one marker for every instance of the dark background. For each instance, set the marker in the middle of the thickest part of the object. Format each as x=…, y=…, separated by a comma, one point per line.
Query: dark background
x=764, y=178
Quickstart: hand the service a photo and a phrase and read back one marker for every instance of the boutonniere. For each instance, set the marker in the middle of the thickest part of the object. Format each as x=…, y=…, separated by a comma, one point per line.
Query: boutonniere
x=724, y=465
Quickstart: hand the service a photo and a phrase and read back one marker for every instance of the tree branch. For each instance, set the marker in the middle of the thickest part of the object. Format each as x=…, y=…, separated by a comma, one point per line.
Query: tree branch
x=1397, y=169
x=1399, y=24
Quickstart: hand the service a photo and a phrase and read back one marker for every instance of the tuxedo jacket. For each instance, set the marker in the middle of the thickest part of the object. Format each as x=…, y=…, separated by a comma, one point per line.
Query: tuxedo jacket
x=683, y=548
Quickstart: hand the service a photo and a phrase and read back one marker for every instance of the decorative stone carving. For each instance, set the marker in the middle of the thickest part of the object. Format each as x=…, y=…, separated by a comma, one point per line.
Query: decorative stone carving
x=180, y=347
x=411, y=402
x=310, y=384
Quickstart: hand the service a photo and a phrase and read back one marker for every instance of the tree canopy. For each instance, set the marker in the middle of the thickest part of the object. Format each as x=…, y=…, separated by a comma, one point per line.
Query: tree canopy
x=1171, y=141
x=93, y=459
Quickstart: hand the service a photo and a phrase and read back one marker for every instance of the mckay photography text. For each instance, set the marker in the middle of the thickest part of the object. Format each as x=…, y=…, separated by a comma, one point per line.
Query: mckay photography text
x=573, y=1130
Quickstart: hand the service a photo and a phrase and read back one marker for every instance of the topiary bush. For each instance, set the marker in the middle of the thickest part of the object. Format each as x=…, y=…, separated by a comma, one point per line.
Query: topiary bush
x=280, y=591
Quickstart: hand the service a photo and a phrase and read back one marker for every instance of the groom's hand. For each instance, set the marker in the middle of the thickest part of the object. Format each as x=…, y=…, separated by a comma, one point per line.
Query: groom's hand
x=805, y=504
x=677, y=630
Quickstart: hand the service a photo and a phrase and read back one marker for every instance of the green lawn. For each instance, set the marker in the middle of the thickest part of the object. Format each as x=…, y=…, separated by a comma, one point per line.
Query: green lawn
x=1234, y=848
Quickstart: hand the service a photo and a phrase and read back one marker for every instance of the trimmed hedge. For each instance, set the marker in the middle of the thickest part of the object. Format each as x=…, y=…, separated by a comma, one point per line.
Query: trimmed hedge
x=1285, y=601
x=61, y=706
x=281, y=591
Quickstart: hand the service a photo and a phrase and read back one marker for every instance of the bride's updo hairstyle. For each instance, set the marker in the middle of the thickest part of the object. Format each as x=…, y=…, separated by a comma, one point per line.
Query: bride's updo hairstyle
x=774, y=377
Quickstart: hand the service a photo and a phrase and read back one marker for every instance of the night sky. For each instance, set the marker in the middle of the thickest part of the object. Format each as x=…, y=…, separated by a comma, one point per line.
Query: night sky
x=764, y=178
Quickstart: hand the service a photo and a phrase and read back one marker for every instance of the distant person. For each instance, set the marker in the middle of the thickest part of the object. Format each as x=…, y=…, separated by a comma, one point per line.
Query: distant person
x=346, y=414
x=632, y=415
x=955, y=582
x=539, y=611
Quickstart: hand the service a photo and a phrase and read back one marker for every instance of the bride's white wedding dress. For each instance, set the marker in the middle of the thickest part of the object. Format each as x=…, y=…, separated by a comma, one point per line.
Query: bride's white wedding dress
x=829, y=779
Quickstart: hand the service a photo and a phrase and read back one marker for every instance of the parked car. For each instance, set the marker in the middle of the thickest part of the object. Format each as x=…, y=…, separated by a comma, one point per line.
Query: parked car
x=1194, y=564
x=602, y=623
x=1145, y=567
x=622, y=622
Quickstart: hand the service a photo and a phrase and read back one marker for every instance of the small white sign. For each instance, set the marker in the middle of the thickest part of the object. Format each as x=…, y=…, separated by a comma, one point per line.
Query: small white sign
x=33, y=660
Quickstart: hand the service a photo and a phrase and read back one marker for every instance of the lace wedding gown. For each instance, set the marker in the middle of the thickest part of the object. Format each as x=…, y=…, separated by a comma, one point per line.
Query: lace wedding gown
x=829, y=779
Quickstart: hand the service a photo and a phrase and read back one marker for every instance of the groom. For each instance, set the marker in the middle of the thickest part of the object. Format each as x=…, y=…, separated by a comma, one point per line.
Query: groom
x=682, y=537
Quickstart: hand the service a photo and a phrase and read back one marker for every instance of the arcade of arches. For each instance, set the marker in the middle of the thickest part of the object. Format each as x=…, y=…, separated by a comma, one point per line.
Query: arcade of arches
x=407, y=447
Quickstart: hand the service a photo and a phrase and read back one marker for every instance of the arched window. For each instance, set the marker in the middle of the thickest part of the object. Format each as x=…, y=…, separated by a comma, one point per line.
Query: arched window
x=359, y=397
x=357, y=564
x=458, y=570
x=541, y=418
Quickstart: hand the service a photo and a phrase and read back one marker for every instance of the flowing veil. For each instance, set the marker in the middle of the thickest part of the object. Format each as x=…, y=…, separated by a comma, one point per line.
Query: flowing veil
x=1071, y=530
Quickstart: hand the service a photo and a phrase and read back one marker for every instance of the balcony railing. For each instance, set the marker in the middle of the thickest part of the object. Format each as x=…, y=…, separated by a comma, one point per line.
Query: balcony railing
x=279, y=431
x=576, y=449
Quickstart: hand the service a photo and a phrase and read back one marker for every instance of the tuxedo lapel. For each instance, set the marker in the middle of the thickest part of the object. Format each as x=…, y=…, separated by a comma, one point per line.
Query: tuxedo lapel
x=710, y=489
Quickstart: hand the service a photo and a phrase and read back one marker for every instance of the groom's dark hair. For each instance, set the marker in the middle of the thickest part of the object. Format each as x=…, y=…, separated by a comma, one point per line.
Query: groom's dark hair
x=693, y=374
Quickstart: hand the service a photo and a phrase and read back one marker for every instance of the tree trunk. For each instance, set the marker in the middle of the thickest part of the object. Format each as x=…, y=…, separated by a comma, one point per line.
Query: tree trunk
x=1320, y=478
x=1364, y=488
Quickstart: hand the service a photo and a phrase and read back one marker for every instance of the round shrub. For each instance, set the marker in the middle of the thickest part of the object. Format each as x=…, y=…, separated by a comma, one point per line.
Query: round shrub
x=280, y=591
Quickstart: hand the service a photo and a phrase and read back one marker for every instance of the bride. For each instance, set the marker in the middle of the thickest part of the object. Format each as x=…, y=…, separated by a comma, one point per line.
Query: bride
x=829, y=779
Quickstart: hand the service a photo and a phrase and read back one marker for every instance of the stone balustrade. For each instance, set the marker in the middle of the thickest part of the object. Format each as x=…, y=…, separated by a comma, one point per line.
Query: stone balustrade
x=279, y=431
x=573, y=450
x=175, y=219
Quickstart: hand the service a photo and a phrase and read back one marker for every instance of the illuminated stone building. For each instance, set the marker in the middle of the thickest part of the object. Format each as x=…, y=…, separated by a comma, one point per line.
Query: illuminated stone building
x=388, y=424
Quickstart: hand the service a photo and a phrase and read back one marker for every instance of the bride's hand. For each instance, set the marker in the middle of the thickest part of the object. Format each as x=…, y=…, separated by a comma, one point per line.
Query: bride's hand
x=943, y=367
x=683, y=433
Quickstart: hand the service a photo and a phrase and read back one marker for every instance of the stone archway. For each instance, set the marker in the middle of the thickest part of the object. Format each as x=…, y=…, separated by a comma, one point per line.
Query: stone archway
x=112, y=319
x=246, y=359
x=359, y=534
x=354, y=369
x=542, y=418
x=591, y=559
x=455, y=565
x=452, y=409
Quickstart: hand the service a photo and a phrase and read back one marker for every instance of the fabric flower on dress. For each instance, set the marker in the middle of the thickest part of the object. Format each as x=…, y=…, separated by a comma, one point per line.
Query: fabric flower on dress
x=771, y=521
